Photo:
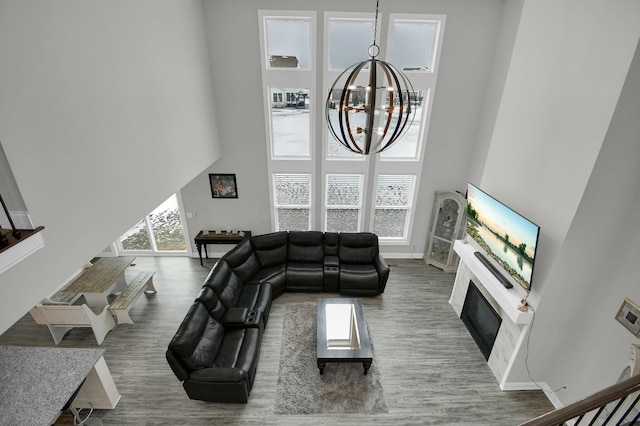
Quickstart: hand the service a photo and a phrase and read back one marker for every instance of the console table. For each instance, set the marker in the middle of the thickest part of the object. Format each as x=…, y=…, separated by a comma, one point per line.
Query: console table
x=210, y=237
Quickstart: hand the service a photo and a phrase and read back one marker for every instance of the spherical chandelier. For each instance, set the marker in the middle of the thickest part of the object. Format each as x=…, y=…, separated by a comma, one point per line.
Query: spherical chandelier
x=369, y=105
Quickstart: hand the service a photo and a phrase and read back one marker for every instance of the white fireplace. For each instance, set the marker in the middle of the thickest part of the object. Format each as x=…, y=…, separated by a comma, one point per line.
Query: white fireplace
x=515, y=324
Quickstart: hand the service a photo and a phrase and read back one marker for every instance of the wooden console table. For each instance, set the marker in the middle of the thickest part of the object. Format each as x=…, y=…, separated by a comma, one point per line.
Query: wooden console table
x=223, y=237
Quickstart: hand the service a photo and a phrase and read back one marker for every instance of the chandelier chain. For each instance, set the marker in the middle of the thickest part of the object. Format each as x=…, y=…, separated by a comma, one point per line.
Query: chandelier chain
x=375, y=24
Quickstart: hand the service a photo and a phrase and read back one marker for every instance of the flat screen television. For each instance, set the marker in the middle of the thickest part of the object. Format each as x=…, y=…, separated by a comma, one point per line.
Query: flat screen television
x=509, y=238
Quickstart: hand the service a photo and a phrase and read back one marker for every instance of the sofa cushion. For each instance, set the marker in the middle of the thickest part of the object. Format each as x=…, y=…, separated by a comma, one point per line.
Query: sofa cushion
x=210, y=299
x=243, y=260
x=359, y=248
x=225, y=283
x=274, y=275
x=199, y=338
x=270, y=249
x=305, y=247
x=305, y=276
x=358, y=279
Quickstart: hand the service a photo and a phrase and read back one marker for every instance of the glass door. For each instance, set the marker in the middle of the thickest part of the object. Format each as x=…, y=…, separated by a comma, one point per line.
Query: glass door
x=160, y=232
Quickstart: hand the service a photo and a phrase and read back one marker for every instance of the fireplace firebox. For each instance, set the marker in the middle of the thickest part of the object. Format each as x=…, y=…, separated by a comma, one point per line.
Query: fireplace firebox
x=482, y=321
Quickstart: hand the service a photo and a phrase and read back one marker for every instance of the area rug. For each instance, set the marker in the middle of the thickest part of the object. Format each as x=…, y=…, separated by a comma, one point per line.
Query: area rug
x=343, y=388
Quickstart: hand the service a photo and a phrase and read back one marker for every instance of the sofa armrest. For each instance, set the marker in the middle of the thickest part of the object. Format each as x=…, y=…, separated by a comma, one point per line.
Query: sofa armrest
x=235, y=317
x=383, y=272
x=181, y=371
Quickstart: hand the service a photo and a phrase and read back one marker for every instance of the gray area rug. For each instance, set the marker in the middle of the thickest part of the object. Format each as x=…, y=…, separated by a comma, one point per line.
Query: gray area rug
x=343, y=388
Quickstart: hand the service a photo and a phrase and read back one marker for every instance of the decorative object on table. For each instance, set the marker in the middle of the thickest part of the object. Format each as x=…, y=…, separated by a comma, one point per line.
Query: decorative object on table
x=301, y=390
x=524, y=306
x=223, y=185
x=629, y=316
x=448, y=223
x=369, y=105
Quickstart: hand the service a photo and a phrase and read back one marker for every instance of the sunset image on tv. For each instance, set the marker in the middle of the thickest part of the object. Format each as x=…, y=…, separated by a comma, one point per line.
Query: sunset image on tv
x=507, y=236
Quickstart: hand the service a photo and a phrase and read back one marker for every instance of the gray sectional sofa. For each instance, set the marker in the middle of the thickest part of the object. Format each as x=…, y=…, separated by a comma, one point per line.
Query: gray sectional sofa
x=216, y=348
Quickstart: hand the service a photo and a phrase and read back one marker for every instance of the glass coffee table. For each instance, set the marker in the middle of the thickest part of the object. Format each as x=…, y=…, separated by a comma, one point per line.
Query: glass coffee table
x=342, y=333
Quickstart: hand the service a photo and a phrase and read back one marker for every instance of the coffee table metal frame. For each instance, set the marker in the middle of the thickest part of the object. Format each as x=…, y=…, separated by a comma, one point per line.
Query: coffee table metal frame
x=364, y=354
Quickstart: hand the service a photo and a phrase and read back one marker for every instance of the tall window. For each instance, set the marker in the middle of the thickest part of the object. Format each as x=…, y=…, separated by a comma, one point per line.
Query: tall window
x=327, y=187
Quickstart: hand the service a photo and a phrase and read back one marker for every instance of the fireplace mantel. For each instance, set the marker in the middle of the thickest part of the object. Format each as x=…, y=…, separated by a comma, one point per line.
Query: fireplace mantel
x=515, y=325
x=508, y=299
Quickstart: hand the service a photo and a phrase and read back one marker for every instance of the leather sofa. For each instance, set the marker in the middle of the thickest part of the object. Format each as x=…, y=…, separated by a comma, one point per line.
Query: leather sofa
x=216, y=348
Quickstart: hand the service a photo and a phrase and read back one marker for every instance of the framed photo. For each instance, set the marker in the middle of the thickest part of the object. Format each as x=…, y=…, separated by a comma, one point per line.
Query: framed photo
x=629, y=316
x=223, y=185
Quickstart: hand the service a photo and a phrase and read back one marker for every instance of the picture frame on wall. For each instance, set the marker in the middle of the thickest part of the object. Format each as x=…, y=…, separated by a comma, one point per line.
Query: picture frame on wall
x=629, y=316
x=223, y=185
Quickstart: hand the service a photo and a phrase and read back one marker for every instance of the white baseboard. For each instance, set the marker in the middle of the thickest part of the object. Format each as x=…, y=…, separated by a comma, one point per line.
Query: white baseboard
x=551, y=396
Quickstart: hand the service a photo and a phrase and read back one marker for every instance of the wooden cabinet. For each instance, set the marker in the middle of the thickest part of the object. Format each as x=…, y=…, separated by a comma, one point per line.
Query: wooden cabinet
x=448, y=223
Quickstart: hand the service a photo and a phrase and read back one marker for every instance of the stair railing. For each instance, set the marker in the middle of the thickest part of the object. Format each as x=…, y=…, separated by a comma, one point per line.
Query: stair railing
x=614, y=405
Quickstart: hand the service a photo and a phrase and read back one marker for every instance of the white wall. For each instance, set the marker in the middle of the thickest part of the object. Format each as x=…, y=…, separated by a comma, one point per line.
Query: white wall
x=567, y=72
x=106, y=108
x=471, y=35
x=597, y=268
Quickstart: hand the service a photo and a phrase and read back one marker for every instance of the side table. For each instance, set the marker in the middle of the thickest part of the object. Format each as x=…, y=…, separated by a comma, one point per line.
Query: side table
x=210, y=237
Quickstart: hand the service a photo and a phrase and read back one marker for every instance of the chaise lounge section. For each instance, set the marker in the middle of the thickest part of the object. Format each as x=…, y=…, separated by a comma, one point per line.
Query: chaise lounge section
x=216, y=348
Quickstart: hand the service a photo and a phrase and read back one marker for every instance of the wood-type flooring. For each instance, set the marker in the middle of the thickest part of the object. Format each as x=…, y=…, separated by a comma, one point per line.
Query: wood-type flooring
x=432, y=372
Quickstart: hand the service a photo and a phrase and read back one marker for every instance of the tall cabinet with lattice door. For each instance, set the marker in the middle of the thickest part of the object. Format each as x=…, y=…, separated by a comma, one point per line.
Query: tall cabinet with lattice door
x=448, y=224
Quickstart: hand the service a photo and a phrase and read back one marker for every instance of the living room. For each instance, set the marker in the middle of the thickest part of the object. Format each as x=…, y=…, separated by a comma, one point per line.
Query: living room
x=535, y=102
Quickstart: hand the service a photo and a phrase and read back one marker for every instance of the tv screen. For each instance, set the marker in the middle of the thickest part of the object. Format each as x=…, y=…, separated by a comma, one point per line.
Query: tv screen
x=506, y=236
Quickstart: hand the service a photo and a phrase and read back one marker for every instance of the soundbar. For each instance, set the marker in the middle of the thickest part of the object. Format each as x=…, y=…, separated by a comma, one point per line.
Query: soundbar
x=503, y=280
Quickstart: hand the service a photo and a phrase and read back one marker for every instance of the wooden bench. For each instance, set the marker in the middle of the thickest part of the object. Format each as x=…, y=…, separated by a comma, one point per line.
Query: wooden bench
x=142, y=282
x=61, y=298
x=60, y=318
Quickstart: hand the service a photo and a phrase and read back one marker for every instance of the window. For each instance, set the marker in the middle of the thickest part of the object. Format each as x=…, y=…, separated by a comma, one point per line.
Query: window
x=290, y=132
x=394, y=194
x=288, y=41
x=292, y=201
x=355, y=193
x=413, y=44
x=160, y=231
x=343, y=203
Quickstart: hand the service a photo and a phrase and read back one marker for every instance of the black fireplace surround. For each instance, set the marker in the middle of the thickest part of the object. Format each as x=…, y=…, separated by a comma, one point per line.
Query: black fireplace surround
x=482, y=321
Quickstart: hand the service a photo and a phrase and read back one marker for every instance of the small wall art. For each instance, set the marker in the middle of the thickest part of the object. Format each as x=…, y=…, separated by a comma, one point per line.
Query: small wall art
x=223, y=185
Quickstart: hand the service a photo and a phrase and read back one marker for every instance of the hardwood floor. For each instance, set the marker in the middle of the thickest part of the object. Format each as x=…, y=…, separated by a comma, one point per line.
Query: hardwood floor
x=431, y=370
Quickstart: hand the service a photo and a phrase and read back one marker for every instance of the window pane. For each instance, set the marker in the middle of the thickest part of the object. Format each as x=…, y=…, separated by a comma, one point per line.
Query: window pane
x=136, y=238
x=343, y=190
x=167, y=226
x=393, y=190
x=293, y=190
x=290, y=122
x=292, y=219
x=390, y=223
x=349, y=41
x=342, y=220
x=336, y=150
x=412, y=44
x=288, y=42
x=393, y=198
x=407, y=145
